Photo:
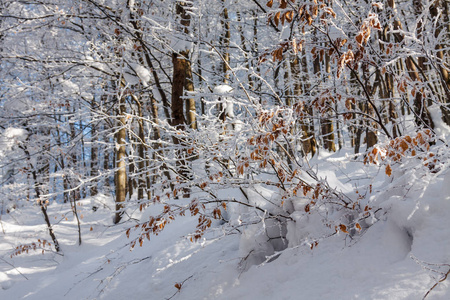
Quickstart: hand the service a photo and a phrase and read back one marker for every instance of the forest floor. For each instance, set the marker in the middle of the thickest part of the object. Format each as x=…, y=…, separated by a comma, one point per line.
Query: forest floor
x=401, y=256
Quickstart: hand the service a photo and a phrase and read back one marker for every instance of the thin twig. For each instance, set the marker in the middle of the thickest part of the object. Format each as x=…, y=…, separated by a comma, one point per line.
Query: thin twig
x=6, y=262
x=179, y=285
x=437, y=283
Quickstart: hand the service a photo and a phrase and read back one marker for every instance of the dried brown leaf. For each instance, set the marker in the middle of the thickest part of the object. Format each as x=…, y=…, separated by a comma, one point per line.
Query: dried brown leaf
x=388, y=170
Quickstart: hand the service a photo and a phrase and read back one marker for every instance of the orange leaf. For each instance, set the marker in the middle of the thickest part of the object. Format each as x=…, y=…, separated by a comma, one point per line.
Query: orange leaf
x=388, y=170
x=401, y=87
x=403, y=145
x=315, y=11
x=290, y=16
x=270, y=3
x=309, y=19
x=359, y=38
x=276, y=19
x=240, y=169
x=328, y=10
x=343, y=228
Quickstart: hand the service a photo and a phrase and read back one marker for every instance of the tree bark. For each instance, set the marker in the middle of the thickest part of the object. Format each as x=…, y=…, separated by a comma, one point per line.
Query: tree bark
x=181, y=72
x=121, y=175
x=94, y=155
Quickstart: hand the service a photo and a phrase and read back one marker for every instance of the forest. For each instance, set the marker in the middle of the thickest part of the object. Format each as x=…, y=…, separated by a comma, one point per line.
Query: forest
x=237, y=136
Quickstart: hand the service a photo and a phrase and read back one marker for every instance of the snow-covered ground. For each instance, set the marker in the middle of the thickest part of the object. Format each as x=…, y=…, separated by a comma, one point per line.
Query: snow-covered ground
x=401, y=256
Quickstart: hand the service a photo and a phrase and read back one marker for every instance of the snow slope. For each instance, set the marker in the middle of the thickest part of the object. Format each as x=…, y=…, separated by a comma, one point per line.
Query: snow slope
x=400, y=256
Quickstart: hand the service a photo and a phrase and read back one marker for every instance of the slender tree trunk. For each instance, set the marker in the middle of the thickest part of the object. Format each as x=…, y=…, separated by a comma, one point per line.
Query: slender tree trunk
x=106, y=162
x=74, y=162
x=371, y=135
x=244, y=48
x=255, y=49
x=141, y=153
x=309, y=139
x=121, y=175
x=82, y=188
x=327, y=123
x=225, y=45
x=157, y=148
x=62, y=165
x=357, y=124
x=225, y=41
x=41, y=202
x=131, y=182
x=387, y=87
x=94, y=155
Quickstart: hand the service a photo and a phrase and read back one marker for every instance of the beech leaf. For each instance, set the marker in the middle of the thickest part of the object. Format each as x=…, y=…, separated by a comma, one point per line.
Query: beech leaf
x=388, y=170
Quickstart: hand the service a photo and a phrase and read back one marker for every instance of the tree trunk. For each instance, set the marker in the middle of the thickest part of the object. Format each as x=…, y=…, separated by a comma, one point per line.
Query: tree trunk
x=181, y=71
x=121, y=175
x=245, y=50
x=94, y=155
x=327, y=123
x=309, y=139
x=225, y=45
x=73, y=182
x=141, y=153
x=42, y=204
x=190, y=102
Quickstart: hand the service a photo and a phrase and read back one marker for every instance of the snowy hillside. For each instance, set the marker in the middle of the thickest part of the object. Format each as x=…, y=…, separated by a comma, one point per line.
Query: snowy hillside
x=400, y=256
